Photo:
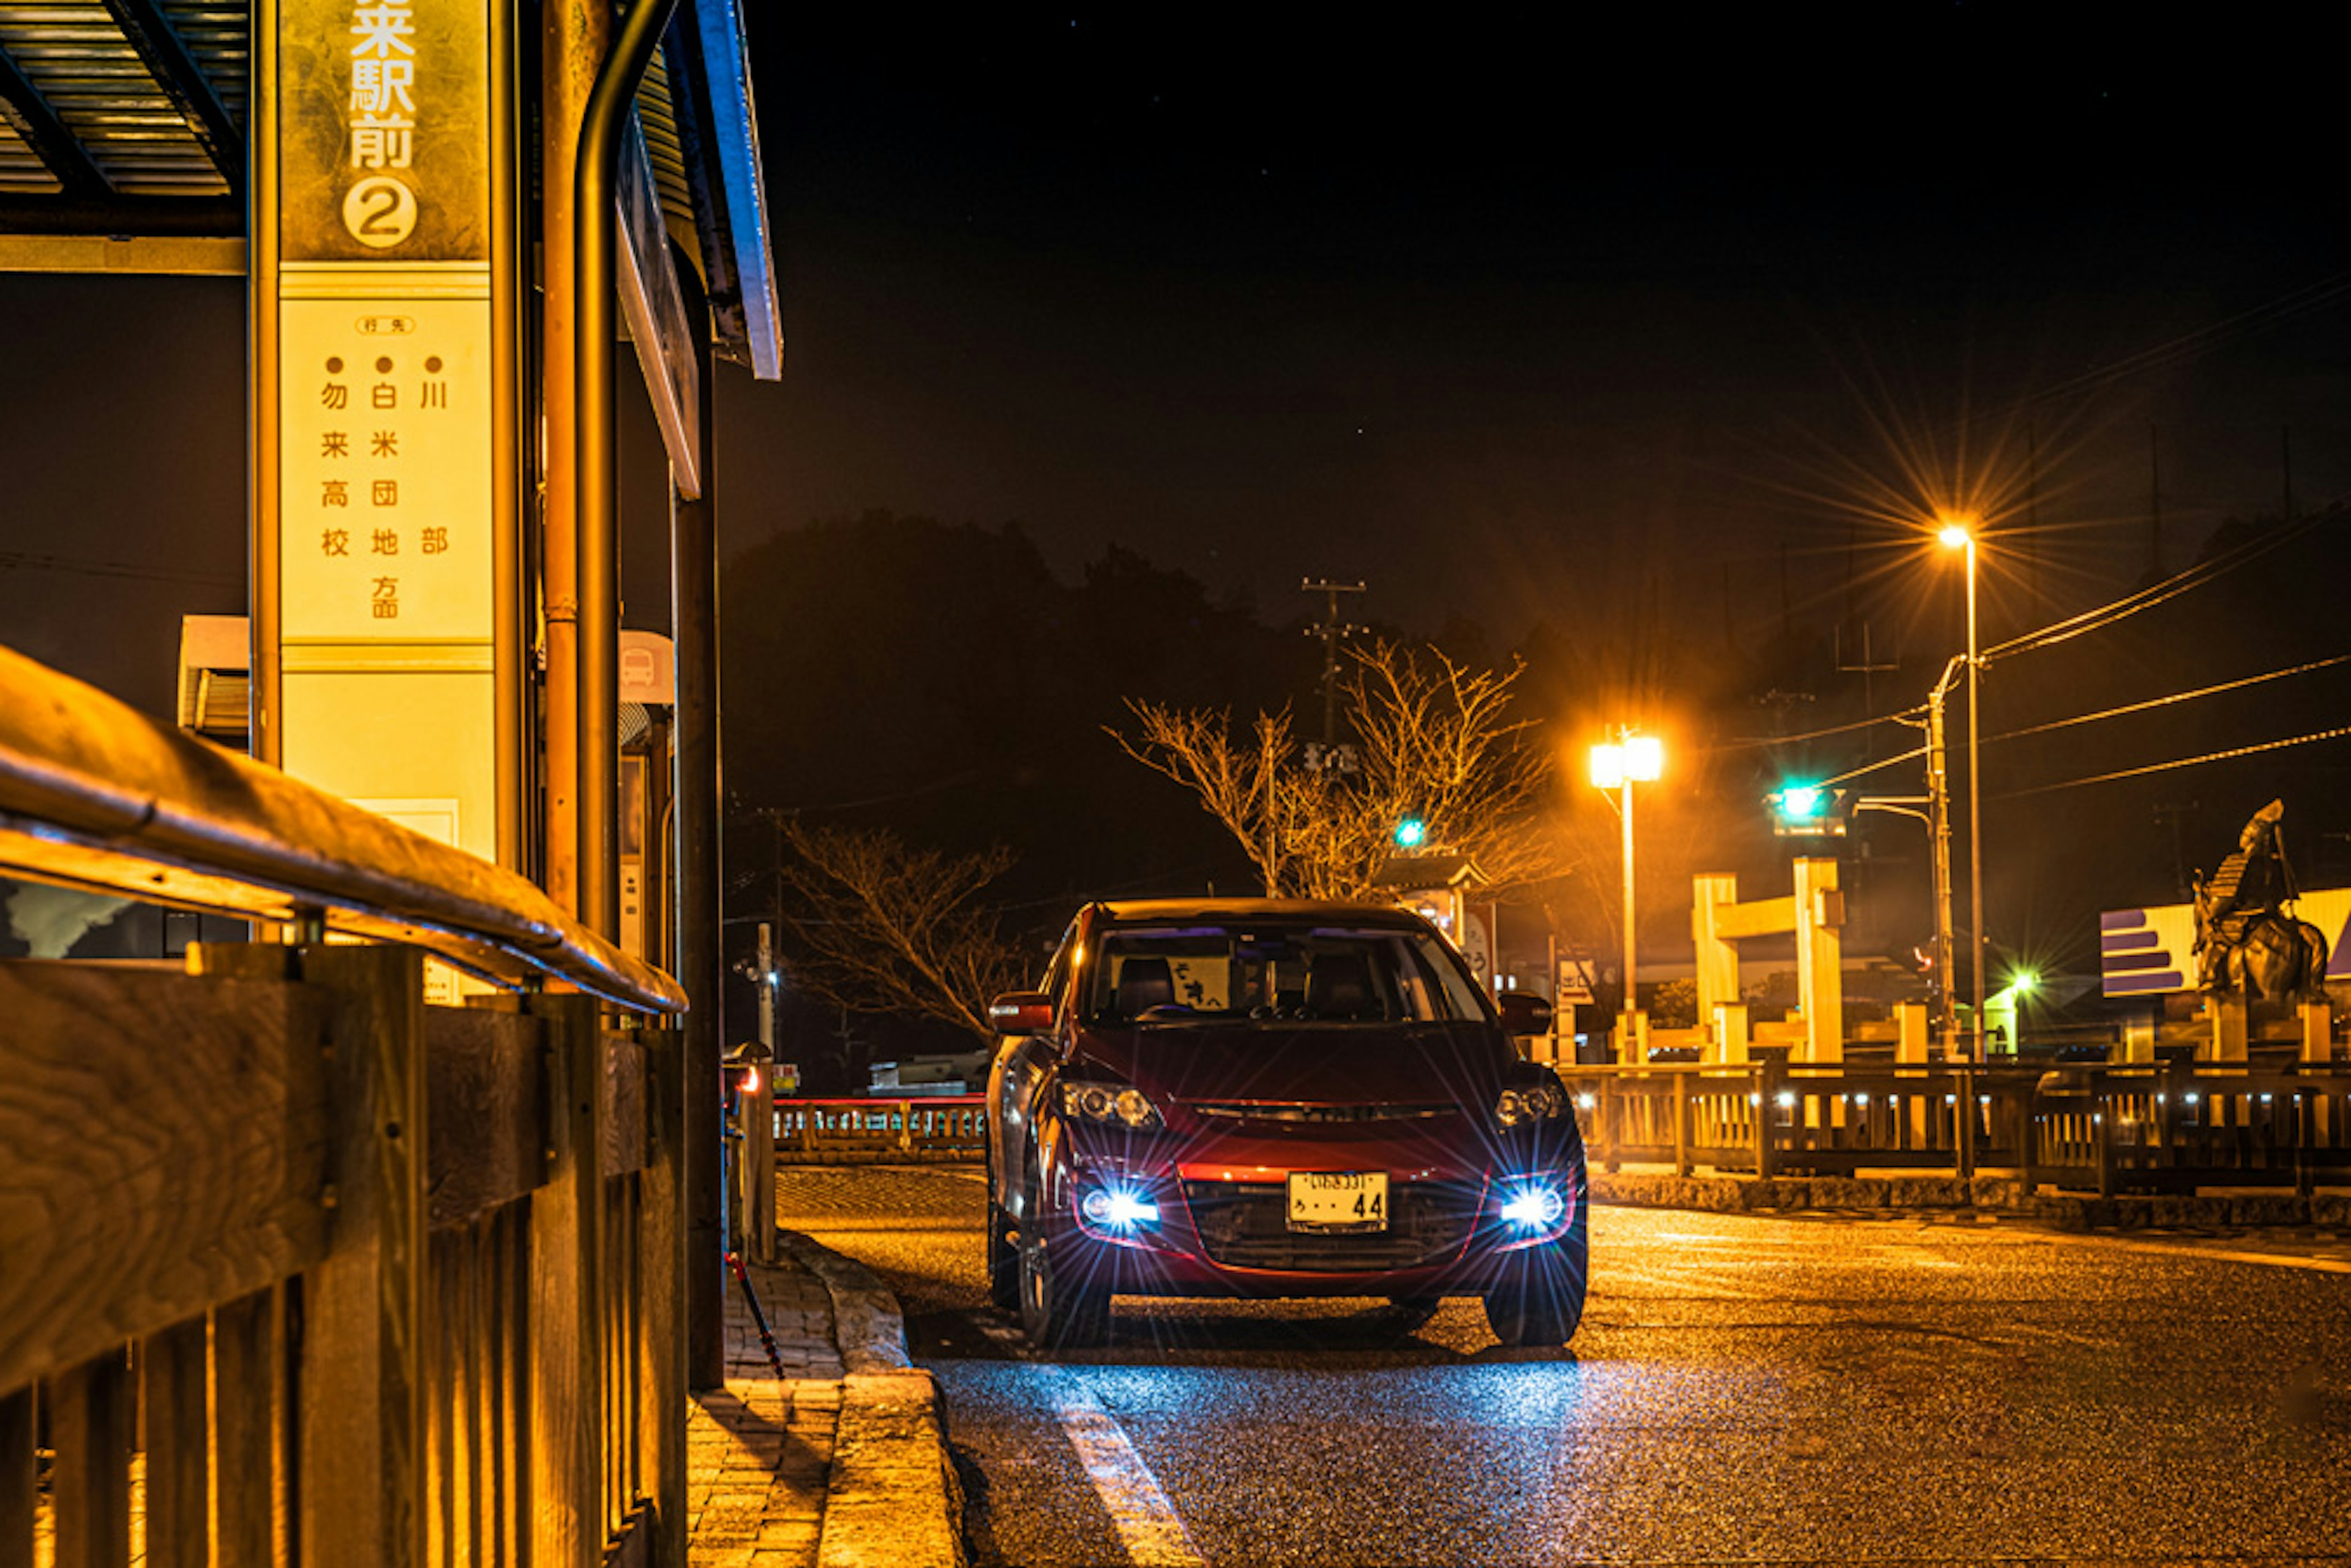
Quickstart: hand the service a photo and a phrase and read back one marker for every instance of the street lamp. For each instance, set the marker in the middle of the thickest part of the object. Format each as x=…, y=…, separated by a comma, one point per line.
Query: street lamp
x=1958, y=534
x=1618, y=764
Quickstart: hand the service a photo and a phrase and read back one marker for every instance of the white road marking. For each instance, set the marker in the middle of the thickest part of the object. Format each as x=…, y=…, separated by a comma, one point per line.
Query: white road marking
x=1146, y=1521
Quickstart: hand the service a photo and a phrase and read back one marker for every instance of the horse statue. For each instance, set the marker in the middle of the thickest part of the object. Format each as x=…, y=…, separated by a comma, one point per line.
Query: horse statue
x=2245, y=940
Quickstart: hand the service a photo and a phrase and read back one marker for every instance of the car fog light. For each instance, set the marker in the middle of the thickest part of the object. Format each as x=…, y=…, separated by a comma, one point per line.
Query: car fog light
x=1115, y=1208
x=1535, y=1207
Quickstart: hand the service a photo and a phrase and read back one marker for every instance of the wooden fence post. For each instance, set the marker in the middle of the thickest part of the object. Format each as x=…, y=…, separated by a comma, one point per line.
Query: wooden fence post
x=178, y=1486
x=89, y=1420
x=2101, y=1130
x=662, y=1262
x=1681, y=1081
x=565, y=1376
x=1767, y=1109
x=759, y=1162
x=361, y=1449
x=16, y=1476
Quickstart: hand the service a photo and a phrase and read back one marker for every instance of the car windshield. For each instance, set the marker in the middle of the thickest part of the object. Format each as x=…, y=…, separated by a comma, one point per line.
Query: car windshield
x=1321, y=974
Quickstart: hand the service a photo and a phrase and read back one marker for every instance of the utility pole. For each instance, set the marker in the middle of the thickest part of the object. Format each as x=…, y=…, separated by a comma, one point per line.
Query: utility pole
x=766, y=964
x=1938, y=818
x=1331, y=630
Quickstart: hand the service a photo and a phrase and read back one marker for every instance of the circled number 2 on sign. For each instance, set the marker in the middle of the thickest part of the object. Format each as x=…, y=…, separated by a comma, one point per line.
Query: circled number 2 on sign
x=380, y=210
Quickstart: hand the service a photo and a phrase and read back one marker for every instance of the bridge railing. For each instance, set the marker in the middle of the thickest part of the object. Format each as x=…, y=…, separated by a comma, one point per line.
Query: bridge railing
x=2173, y=1127
x=931, y=1126
x=293, y=1266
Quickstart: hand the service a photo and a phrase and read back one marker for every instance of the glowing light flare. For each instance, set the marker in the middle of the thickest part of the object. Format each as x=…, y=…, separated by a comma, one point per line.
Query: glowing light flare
x=1118, y=1208
x=1640, y=758
x=1956, y=536
x=1535, y=1207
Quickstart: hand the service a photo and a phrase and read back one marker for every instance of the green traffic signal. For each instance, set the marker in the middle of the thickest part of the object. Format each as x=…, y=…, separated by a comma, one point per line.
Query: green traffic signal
x=1805, y=802
x=1807, y=810
x=1410, y=832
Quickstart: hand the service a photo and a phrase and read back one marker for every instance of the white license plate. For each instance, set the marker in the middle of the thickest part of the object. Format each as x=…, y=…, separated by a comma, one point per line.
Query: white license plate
x=1339, y=1200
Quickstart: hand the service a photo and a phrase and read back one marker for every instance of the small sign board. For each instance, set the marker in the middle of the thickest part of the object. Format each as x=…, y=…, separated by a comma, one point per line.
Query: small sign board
x=1574, y=983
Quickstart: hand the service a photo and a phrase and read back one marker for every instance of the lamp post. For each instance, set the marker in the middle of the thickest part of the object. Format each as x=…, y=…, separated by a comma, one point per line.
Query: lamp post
x=1958, y=535
x=1618, y=764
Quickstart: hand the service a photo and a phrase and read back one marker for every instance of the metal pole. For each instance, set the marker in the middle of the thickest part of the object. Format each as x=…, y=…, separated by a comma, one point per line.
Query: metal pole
x=572, y=39
x=1975, y=808
x=1938, y=827
x=1632, y=990
x=767, y=965
x=697, y=881
x=510, y=595
x=596, y=499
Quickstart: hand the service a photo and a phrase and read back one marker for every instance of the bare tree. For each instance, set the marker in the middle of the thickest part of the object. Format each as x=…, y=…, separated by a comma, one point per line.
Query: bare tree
x=1435, y=741
x=881, y=926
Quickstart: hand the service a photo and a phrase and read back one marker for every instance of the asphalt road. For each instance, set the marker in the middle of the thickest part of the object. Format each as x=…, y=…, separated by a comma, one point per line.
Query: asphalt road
x=1826, y=1389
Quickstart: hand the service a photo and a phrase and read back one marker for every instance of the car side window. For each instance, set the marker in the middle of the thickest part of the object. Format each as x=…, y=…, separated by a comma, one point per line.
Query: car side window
x=1057, y=973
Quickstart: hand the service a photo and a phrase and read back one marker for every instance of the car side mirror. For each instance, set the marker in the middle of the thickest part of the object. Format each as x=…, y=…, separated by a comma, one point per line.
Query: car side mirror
x=1523, y=1012
x=1021, y=1012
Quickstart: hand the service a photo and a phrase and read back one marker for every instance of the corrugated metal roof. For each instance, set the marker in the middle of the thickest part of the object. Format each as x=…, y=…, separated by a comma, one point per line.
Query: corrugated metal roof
x=658, y=117
x=20, y=167
x=90, y=71
x=128, y=117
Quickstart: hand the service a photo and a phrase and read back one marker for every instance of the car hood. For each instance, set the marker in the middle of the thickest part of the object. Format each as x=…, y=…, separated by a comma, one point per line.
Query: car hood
x=1180, y=1066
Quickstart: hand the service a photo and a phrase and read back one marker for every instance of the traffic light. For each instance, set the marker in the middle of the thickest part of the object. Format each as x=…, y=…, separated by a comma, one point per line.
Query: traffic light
x=1808, y=810
x=1411, y=833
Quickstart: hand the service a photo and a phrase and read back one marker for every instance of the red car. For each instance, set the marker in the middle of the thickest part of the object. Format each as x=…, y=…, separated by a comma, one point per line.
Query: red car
x=1268, y=1098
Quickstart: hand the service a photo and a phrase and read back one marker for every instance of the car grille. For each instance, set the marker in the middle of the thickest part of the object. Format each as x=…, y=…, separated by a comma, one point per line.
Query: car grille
x=1292, y=1111
x=1245, y=1225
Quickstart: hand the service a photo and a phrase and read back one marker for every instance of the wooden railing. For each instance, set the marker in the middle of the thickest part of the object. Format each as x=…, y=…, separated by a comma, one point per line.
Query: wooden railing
x=295, y=1267
x=2171, y=1127
x=934, y=1127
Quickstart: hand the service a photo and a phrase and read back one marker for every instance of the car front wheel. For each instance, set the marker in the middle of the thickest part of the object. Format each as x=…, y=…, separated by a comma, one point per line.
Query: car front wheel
x=1057, y=1312
x=1542, y=1299
x=1003, y=1260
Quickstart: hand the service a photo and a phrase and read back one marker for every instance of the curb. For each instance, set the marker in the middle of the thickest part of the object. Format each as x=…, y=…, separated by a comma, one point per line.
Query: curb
x=1986, y=1195
x=892, y=1498
x=867, y=1327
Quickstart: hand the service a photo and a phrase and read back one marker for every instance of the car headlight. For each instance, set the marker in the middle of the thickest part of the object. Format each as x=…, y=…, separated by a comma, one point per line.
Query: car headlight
x=1536, y=1102
x=1109, y=1102
x=1537, y=1206
x=1120, y=1210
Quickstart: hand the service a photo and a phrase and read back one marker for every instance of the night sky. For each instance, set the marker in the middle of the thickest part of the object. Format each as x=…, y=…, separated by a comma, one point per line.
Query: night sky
x=1696, y=312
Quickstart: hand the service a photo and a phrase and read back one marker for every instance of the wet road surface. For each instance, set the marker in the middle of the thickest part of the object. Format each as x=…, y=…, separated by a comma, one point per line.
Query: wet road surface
x=1743, y=1389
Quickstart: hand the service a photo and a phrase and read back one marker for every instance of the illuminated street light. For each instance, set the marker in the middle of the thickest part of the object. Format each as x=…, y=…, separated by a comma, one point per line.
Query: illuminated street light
x=1618, y=764
x=1960, y=534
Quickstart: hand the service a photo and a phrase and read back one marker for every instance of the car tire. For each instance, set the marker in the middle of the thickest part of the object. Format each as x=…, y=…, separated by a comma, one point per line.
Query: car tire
x=1056, y=1313
x=1541, y=1303
x=1003, y=1261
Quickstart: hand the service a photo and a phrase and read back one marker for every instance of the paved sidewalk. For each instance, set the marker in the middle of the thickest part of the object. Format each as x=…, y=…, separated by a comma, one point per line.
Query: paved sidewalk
x=758, y=1452
x=841, y=1463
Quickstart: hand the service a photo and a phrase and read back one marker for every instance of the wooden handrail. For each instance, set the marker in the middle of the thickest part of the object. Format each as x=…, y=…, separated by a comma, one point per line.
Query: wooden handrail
x=96, y=795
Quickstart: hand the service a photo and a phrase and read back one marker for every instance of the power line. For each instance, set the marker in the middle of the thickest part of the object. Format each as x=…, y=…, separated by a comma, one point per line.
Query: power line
x=1873, y=766
x=2167, y=701
x=2182, y=762
x=2148, y=598
x=1761, y=740
x=2284, y=308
